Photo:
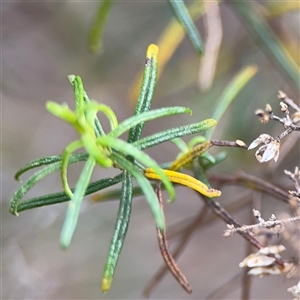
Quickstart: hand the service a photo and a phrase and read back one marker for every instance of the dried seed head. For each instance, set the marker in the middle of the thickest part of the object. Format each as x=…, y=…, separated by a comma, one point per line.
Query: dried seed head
x=256, y=213
x=259, y=112
x=268, y=109
x=283, y=107
x=281, y=95
x=263, y=117
x=240, y=143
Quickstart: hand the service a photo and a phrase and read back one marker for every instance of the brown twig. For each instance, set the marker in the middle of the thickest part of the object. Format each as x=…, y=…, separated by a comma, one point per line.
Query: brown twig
x=186, y=234
x=163, y=269
x=165, y=251
x=236, y=143
x=252, y=182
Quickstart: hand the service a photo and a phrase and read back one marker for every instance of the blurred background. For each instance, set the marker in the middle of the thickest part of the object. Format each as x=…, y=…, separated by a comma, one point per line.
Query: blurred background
x=44, y=42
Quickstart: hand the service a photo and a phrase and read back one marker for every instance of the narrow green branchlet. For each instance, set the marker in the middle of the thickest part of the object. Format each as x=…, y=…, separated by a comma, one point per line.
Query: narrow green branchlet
x=97, y=28
x=183, y=16
x=120, y=232
x=108, y=150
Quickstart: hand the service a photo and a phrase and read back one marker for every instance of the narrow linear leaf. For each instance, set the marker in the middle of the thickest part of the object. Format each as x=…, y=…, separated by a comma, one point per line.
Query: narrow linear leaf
x=78, y=93
x=185, y=19
x=62, y=111
x=31, y=182
x=142, y=95
x=120, y=231
x=267, y=40
x=64, y=164
x=190, y=156
x=48, y=160
x=167, y=43
x=185, y=180
x=98, y=127
x=144, y=106
x=173, y=133
x=93, y=107
x=97, y=28
x=61, y=197
x=147, y=116
x=146, y=188
x=229, y=94
x=74, y=205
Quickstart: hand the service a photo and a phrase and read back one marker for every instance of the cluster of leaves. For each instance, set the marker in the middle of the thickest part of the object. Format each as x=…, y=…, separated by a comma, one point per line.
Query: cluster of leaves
x=107, y=150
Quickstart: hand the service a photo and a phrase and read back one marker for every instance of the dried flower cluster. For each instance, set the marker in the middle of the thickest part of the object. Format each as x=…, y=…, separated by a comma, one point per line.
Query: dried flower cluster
x=271, y=145
x=267, y=260
x=273, y=224
x=263, y=262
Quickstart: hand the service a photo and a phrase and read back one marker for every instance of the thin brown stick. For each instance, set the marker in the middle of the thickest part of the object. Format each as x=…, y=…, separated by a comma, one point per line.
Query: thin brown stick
x=165, y=251
x=186, y=234
x=246, y=279
x=252, y=182
x=229, y=219
x=221, y=143
x=163, y=269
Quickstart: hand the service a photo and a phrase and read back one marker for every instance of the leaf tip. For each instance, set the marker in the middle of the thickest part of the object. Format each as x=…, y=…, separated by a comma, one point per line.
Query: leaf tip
x=152, y=51
x=106, y=284
x=71, y=78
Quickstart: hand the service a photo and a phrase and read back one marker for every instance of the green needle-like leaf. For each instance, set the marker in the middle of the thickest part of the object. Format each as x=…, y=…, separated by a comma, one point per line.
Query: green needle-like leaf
x=147, y=91
x=120, y=231
x=185, y=19
x=63, y=112
x=147, y=116
x=145, y=186
x=31, y=182
x=64, y=164
x=229, y=94
x=43, y=161
x=98, y=127
x=61, y=197
x=78, y=93
x=173, y=133
x=74, y=205
x=92, y=108
x=96, y=31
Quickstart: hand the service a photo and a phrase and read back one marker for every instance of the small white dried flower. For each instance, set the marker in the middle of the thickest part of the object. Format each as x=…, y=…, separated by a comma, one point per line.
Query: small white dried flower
x=275, y=249
x=268, y=108
x=269, y=150
x=261, y=264
x=240, y=143
x=283, y=107
x=295, y=290
x=260, y=261
x=264, y=138
x=281, y=95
